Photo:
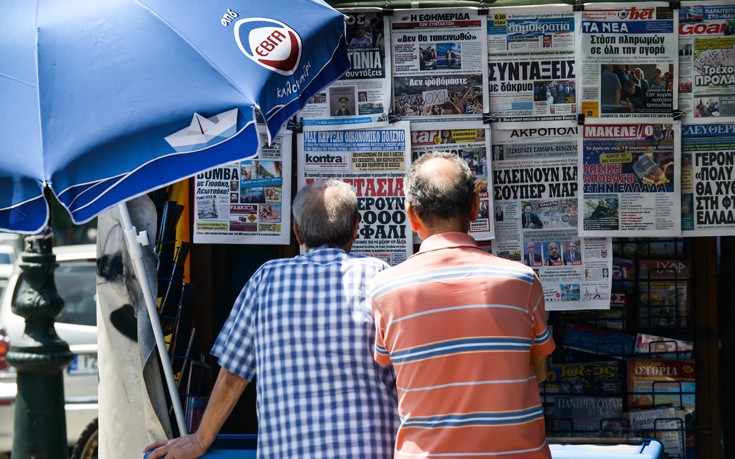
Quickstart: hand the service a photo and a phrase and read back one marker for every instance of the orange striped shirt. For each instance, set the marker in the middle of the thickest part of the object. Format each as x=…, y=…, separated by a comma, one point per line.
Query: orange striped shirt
x=459, y=326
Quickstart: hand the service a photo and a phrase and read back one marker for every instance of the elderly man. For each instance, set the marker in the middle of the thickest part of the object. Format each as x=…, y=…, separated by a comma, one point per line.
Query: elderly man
x=531, y=258
x=303, y=326
x=465, y=330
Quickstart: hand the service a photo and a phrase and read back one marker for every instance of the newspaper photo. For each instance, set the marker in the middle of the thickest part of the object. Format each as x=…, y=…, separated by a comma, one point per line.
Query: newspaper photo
x=531, y=64
x=439, y=70
x=708, y=180
x=471, y=145
x=246, y=202
x=374, y=162
x=361, y=98
x=629, y=180
x=707, y=61
x=535, y=191
x=627, y=61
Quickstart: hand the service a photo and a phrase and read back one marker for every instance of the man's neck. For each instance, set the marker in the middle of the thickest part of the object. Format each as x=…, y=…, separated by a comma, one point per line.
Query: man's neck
x=443, y=226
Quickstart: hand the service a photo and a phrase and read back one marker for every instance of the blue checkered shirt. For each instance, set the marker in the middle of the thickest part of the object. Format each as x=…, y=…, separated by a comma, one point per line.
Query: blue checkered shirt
x=303, y=326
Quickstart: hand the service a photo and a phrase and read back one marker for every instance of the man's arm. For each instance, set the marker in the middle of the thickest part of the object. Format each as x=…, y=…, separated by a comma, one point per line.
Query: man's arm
x=226, y=392
x=539, y=364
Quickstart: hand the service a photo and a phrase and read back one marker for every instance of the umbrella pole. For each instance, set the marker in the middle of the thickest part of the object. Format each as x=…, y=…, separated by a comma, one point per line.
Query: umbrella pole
x=135, y=251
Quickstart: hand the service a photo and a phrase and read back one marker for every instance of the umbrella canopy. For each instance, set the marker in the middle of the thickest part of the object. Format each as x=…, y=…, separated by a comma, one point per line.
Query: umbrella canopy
x=102, y=101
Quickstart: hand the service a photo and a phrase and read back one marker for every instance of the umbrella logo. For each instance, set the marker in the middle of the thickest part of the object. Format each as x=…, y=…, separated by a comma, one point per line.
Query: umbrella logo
x=269, y=43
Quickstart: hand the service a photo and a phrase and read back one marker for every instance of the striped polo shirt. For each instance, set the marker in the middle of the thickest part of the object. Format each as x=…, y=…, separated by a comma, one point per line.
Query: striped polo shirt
x=459, y=325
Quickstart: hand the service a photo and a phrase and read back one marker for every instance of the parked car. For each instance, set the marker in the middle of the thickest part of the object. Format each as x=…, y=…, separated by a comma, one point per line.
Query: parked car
x=77, y=325
x=7, y=260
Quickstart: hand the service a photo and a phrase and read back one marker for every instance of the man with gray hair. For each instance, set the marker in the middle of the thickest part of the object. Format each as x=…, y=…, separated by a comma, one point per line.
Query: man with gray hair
x=465, y=330
x=303, y=326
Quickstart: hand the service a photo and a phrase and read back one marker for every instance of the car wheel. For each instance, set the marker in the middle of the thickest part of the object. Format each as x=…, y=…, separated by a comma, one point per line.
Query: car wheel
x=86, y=446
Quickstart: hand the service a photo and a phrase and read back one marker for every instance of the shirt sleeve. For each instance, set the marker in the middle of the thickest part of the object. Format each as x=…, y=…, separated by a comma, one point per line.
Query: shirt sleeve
x=235, y=344
x=543, y=343
x=380, y=353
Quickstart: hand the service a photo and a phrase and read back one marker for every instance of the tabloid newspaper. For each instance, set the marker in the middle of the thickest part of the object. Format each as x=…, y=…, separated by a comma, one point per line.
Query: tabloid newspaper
x=707, y=61
x=361, y=98
x=708, y=180
x=439, y=69
x=471, y=145
x=534, y=178
x=374, y=162
x=627, y=60
x=246, y=202
x=532, y=65
x=630, y=180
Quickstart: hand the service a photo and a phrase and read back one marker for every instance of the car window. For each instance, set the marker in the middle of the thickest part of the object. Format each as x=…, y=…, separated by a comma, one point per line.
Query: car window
x=5, y=259
x=77, y=284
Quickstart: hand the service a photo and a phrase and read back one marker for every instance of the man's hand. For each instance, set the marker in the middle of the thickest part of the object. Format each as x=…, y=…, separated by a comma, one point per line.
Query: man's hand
x=186, y=447
x=225, y=394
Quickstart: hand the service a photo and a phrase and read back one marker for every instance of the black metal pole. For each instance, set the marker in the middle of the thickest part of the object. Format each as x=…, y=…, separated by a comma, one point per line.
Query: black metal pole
x=39, y=357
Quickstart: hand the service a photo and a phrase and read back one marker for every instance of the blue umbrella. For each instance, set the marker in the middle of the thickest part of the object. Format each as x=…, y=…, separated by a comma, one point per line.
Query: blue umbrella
x=101, y=101
x=105, y=100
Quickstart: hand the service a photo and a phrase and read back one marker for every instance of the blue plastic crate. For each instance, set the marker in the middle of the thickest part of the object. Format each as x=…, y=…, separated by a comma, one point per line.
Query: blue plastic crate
x=590, y=448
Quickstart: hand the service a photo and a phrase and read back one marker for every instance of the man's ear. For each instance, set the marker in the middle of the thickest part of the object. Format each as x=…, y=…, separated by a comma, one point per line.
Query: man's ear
x=357, y=225
x=413, y=218
x=475, y=206
x=296, y=233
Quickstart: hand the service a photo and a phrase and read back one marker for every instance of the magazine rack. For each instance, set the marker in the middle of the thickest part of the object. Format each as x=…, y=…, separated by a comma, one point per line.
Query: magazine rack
x=648, y=275
x=193, y=377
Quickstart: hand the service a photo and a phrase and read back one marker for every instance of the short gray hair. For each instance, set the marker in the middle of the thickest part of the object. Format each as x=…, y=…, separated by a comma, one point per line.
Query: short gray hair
x=325, y=213
x=440, y=198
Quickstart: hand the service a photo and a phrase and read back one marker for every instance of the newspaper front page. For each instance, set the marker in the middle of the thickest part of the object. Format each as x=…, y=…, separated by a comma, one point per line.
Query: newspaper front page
x=630, y=180
x=374, y=162
x=532, y=65
x=361, y=98
x=439, y=70
x=471, y=145
x=708, y=180
x=535, y=191
x=628, y=60
x=246, y=202
x=707, y=61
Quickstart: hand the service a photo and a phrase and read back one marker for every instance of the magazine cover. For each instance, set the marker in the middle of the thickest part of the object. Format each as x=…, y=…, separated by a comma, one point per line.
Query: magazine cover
x=665, y=424
x=663, y=293
x=598, y=341
x=658, y=382
x=586, y=415
x=661, y=347
x=603, y=377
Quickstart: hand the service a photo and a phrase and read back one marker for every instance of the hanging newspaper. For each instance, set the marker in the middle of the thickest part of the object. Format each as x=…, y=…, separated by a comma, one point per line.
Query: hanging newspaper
x=361, y=98
x=707, y=61
x=629, y=180
x=708, y=180
x=535, y=191
x=439, y=68
x=246, y=202
x=628, y=60
x=472, y=145
x=531, y=64
x=374, y=162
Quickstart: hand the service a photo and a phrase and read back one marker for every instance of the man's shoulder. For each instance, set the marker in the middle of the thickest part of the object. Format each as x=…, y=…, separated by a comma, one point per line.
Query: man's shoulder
x=364, y=260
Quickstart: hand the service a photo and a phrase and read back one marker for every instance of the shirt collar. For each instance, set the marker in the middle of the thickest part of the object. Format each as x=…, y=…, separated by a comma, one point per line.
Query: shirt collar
x=324, y=253
x=447, y=240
